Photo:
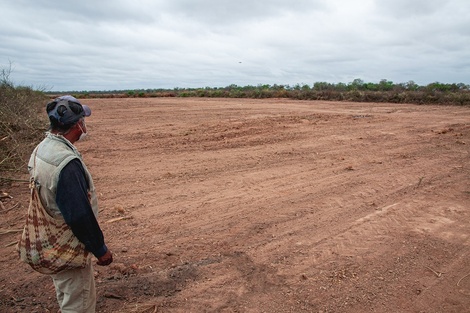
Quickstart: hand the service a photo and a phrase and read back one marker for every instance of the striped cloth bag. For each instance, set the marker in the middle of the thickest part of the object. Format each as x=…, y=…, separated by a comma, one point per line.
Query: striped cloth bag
x=48, y=244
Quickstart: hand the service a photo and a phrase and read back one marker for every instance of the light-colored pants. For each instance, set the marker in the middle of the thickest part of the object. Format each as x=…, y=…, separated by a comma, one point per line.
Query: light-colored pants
x=75, y=290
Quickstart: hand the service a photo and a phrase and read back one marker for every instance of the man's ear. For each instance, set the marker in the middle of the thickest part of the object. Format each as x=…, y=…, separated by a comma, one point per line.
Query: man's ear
x=76, y=127
x=79, y=123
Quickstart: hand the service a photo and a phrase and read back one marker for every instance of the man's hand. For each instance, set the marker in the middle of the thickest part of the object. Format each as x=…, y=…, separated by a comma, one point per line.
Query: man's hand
x=105, y=259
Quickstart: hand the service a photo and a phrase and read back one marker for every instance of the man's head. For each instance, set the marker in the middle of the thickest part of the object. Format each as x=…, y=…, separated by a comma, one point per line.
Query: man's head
x=66, y=111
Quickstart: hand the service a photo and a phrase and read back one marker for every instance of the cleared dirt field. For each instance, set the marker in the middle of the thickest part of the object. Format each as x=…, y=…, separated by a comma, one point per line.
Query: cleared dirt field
x=231, y=205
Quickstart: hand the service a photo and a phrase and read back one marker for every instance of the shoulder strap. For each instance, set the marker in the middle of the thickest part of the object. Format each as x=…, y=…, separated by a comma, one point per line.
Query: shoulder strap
x=32, y=182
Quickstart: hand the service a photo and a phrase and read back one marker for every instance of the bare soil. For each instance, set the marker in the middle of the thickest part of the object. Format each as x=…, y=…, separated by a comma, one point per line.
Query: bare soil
x=231, y=205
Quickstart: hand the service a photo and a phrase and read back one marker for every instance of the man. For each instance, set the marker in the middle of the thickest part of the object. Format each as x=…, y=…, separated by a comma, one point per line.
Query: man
x=66, y=189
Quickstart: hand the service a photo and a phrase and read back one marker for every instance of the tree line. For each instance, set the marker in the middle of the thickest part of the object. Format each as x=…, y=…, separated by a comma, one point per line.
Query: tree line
x=356, y=91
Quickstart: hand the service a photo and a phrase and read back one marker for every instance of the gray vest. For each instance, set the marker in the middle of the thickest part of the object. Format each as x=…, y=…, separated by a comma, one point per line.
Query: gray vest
x=45, y=165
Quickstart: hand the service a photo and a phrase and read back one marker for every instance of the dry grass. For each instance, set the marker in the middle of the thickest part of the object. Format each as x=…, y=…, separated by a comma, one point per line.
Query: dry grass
x=22, y=125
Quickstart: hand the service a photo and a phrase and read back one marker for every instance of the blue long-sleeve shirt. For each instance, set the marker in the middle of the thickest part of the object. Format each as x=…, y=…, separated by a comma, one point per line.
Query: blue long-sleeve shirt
x=74, y=204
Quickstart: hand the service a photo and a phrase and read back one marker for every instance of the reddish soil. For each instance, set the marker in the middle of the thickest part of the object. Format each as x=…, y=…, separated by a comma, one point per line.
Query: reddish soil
x=230, y=205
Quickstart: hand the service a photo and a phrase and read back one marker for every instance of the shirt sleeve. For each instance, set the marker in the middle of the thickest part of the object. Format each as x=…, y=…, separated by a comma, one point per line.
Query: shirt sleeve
x=74, y=204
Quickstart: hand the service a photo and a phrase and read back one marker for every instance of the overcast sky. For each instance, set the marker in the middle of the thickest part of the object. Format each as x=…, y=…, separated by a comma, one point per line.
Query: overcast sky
x=65, y=45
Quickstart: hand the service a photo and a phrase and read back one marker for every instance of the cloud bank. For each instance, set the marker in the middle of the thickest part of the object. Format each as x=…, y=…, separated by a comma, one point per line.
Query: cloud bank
x=123, y=44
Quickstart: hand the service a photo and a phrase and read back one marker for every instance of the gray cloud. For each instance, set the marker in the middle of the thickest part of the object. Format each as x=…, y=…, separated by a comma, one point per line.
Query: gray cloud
x=228, y=13
x=107, y=45
x=403, y=9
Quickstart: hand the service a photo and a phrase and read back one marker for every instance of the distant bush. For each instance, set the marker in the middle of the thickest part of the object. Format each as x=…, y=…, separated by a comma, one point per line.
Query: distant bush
x=22, y=125
x=357, y=91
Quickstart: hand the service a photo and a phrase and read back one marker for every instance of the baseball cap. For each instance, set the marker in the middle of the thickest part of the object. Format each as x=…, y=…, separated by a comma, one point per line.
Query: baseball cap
x=66, y=110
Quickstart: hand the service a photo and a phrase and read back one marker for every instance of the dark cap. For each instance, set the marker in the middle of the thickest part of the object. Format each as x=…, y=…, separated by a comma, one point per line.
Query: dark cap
x=66, y=111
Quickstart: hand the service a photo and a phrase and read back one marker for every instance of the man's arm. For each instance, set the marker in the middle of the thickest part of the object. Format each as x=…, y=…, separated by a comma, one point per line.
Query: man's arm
x=74, y=204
